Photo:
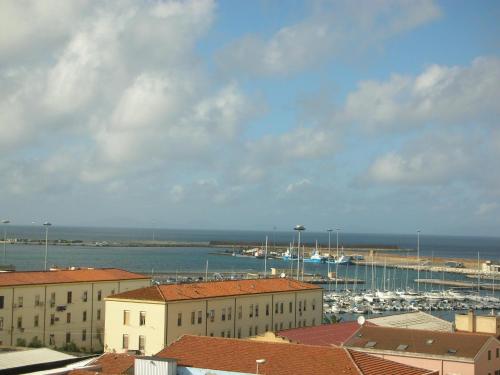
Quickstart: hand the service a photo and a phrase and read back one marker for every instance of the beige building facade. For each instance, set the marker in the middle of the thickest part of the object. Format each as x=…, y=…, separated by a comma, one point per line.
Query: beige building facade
x=148, y=320
x=63, y=308
x=471, y=322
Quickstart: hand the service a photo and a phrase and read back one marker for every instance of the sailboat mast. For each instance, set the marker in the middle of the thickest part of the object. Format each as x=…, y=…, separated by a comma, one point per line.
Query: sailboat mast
x=265, y=261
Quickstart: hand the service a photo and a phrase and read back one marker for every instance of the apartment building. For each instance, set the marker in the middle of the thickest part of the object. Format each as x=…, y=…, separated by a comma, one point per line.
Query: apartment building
x=59, y=308
x=448, y=353
x=151, y=318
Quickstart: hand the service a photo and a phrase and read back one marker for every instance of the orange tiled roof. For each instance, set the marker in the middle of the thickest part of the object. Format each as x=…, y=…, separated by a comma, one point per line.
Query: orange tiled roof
x=450, y=344
x=281, y=358
x=213, y=289
x=66, y=276
x=371, y=365
x=324, y=335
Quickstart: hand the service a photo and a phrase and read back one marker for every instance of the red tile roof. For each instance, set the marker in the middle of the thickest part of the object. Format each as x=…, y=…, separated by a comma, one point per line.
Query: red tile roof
x=214, y=289
x=449, y=344
x=323, y=335
x=281, y=358
x=371, y=365
x=108, y=363
x=66, y=276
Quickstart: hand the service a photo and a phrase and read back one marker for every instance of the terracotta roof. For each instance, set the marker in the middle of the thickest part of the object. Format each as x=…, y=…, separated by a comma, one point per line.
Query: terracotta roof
x=281, y=359
x=114, y=363
x=403, y=340
x=66, y=276
x=179, y=292
x=371, y=365
x=323, y=335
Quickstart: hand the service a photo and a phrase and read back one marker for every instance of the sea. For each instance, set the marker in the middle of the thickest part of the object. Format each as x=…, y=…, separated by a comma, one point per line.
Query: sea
x=198, y=259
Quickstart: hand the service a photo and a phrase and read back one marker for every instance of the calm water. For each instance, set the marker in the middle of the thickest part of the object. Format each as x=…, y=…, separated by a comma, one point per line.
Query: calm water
x=442, y=246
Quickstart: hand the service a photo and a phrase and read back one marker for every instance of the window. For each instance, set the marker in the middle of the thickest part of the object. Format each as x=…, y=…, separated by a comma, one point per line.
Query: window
x=256, y=310
x=52, y=299
x=112, y=291
x=276, y=308
x=84, y=317
x=68, y=337
x=37, y=300
x=223, y=314
x=142, y=318
x=314, y=322
x=305, y=305
x=19, y=322
x=211, y=314
x=275, y=327
x=229, y=313
x=240, y=312
x=222, y=334
x=70, y=297
x=35, y=321
x=126, y=317
x=289, y=325
x=193, y=317
x=52, y=341
x=1, y=324
x=125, y=341
x=85, y=296
x=179, y=319
x=300, y=307
x=290, y=307
x=305, y=323
x=489, y=355
x=211, y=334
x=99, y=295
x=229, y=334
x=98, y=314
x=250, y=312
x=281, y=308
x=2, y=301
x=84, y=334
x=281, y=326
x=68, y=318
x=199, y=317
x=314, y=304
x=256, y=330
x=52, y=319
x=267, y=309
x=20, y=301
x=239, y=333
x=142, y=343
x=249, y=331
x=267, y=327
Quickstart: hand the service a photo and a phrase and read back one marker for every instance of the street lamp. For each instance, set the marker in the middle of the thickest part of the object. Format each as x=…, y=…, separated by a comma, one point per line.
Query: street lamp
x=418, y=260
x=5, y=222
x=259, y=362
x=299, y=228
x=337, y=230
x=46, y=225
x=328, y=261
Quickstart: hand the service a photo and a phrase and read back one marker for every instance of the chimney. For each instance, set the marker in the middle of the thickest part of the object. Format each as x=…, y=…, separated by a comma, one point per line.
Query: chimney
x=471, y=321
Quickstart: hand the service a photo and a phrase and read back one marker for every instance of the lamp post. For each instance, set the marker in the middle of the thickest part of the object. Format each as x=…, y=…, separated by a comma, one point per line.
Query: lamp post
x=46, y=225
x=418, y=260
x=5, y=222
x=328, y=261
x=298, y=228
x=259, y=362
x=337, y=230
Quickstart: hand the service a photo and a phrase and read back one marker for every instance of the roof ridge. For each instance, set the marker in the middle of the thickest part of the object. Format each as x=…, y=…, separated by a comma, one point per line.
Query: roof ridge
x=161, y=293
x=353, y=360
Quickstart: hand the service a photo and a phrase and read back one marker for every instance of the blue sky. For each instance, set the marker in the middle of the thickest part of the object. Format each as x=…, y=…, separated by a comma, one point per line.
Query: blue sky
x=375, y=116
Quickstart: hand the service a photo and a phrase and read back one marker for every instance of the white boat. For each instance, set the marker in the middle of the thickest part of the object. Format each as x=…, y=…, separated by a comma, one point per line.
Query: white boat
x=315, y=258
x=434, y=295
x=370, y=297
x=342, y=260
x=288, y=255
x=386, y=295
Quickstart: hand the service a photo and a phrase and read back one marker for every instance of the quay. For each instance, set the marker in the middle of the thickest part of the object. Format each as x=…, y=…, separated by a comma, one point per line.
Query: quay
x=456, y=284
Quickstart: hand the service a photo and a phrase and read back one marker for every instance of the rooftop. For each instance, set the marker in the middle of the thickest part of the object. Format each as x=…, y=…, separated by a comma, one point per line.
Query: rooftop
x=281, y=359
x=323, y=335
x=20, y=358
x=66, y=276
x=373, y=338
x=179, y=292
x=413, y=320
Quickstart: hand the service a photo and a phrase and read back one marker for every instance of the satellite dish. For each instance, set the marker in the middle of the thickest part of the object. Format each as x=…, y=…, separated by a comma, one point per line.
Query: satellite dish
x=361, y=320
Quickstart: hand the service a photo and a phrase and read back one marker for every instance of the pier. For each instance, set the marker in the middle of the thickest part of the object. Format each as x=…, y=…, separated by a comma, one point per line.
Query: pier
x=456, y=284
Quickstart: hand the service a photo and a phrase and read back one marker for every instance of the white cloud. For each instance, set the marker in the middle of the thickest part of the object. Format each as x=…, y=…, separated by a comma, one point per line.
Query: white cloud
x=439, y=95
x=332, y=29
x=298, y=186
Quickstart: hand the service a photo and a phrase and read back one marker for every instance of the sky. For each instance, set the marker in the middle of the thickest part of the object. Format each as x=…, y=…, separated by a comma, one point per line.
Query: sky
x=373, y=116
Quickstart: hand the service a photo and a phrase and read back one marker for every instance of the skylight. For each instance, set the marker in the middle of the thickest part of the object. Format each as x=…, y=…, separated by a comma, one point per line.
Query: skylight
x=429, y=341
x=452, y=351
x=402, y=347
x=370, y=344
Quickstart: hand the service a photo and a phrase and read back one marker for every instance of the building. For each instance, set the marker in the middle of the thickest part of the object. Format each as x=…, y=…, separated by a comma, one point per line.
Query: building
x=62, y=308
x=445, y=352
x=198, y=355
x=151, y=318
x=243, y=356
x=471, y=322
